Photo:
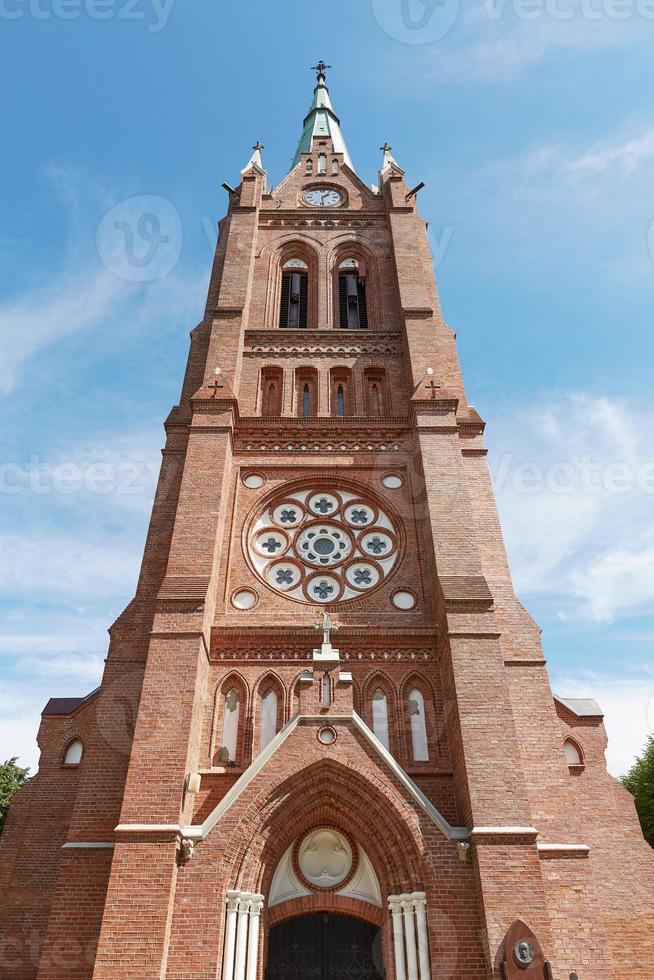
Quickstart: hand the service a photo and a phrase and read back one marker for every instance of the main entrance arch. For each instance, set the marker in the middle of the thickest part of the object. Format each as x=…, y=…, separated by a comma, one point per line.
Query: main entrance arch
x=324, y=946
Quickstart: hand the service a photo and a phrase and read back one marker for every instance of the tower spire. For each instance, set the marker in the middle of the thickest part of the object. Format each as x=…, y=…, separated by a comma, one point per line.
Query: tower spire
x=255, y=160
x=321, y=120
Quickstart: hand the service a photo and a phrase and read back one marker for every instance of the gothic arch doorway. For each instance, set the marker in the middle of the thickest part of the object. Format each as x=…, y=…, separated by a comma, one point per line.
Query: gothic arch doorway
x=324, y=946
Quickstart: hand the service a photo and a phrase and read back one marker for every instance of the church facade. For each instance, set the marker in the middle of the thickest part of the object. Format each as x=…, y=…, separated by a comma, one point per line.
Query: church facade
x=325, y=743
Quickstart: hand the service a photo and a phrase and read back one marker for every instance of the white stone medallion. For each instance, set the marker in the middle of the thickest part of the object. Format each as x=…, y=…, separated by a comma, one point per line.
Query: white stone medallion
x=325, y=859
x=323, y=546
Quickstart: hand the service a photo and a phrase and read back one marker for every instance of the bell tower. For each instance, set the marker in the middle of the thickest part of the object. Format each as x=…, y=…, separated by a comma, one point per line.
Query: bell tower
x=325, y=741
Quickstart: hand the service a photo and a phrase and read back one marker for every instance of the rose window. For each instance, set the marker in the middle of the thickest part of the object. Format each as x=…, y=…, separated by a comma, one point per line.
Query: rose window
x=323, y=546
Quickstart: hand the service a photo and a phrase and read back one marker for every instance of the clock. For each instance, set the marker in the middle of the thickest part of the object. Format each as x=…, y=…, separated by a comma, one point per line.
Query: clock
x=322, y=197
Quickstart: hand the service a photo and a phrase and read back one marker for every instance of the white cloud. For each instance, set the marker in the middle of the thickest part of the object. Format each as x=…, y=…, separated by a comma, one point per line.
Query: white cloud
x=85, y=293
x=574, y=478
x=493, y=43
x=553, y=205
x=30, y=324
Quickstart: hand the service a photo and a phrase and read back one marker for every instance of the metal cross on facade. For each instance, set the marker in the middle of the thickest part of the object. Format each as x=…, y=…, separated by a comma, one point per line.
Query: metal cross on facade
x=433, y=388
x=215, y=387
x=327, y=626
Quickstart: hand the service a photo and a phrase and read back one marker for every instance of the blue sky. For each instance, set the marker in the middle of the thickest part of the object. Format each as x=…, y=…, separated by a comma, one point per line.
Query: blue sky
x=532, y=126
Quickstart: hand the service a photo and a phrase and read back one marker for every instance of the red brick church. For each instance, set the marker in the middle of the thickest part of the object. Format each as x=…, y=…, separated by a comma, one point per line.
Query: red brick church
x=325, y=743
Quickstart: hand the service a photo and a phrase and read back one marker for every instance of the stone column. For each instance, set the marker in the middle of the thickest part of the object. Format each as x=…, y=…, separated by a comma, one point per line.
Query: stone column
x=410, y=938
x=420, y=904
x=230, y=935
x=398, y=936
x=242, y=935
x=253, y=937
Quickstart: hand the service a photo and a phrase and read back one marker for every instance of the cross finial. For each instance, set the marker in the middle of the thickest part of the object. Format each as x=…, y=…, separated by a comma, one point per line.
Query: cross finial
x=321, y=69
x=327, y=626
x=386, y=148
x=258, y=146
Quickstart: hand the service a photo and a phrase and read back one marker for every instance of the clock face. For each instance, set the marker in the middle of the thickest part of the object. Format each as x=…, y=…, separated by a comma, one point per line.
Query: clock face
x=322, y=197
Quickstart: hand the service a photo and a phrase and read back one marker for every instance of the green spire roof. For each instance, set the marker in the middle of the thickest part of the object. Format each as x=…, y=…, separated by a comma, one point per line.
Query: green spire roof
x=322, y=121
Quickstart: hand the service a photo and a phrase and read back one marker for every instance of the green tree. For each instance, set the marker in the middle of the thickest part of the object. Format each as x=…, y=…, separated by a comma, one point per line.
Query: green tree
x=640, y=783
x=12, y=778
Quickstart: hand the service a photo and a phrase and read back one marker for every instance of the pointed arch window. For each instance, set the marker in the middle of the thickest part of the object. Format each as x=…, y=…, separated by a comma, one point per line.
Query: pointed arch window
x=269, y=704
x=272, y=385
x=376, y=392
x=418, y=726
x=74, y=753
x=380, y=717
x=231, y=715
x=322, y=163
x=572, y=753
x=306, y=392
x=353, y=306
x=375, y=400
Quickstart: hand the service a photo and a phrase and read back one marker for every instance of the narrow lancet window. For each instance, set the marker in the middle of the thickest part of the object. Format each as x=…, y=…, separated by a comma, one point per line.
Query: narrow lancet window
x=380, y=717
x=229, y=741
x=340, y=401
x=268, y=719
x=326, y=698
x=418, y=726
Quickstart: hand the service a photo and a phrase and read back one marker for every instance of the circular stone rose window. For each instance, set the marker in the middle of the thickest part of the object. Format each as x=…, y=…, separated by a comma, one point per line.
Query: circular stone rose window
x=323, y=546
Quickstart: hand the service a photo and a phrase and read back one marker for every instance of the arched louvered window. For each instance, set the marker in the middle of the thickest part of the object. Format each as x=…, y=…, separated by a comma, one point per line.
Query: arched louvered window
x=322, y=163
x=418, y=726
x=309, y=167
x=353, y=307
x=294, y=304
x=380, y=717
x=231, y=713
x=334, y=166
x=268, y=718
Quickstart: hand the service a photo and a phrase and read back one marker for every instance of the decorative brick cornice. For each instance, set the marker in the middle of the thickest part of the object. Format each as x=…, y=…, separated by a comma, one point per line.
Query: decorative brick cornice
x=321, y=435
x=322, y=343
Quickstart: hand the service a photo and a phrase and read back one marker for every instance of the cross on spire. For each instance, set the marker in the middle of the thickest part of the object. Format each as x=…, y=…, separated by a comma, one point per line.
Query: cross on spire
x=327, y=626
x=258, y=146
x=321, y=69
